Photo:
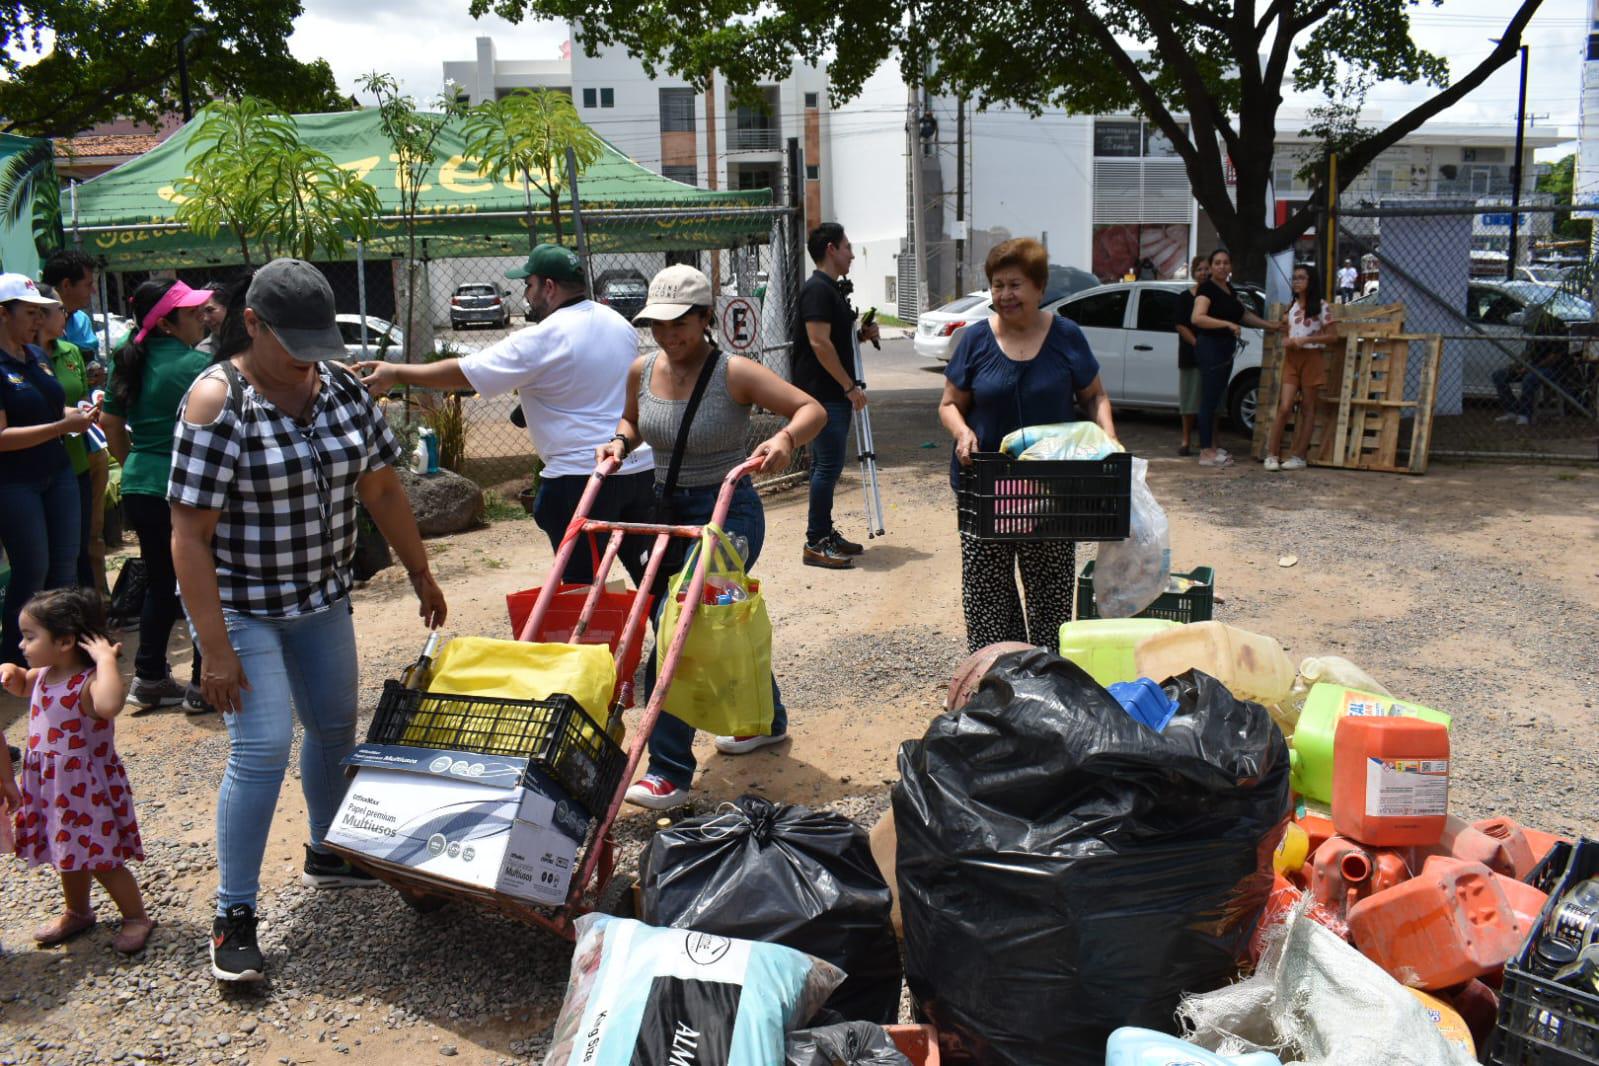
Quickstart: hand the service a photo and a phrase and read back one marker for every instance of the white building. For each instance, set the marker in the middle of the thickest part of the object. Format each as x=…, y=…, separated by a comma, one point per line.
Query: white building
x=662, y=123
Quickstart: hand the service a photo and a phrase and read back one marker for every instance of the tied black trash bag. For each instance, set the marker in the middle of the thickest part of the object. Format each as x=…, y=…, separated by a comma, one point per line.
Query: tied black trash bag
x=1064, y=870
x=849, y=1044
x=786, y=875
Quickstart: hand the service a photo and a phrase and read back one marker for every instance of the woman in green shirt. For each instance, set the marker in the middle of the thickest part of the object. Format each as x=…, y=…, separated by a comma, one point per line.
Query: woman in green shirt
x=66, y=359
x=150, y=374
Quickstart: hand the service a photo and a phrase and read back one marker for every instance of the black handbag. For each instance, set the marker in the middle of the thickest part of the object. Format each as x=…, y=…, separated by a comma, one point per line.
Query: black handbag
x=127, y=595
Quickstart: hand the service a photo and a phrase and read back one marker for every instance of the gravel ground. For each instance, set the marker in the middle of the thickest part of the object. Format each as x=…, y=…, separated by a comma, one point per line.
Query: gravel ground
x=360, y=974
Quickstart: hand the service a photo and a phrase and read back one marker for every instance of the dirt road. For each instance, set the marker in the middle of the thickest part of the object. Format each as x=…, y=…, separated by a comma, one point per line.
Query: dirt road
x=1472, y=589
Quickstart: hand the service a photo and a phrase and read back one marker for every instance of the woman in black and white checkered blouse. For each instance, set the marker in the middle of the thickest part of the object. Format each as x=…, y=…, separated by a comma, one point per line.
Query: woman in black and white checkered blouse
x=273, y=450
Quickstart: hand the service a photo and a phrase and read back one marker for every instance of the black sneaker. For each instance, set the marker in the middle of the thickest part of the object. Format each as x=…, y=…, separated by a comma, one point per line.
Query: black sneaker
x=332, y=871
x=234, y=954
x=848, y=547
x=194, y=702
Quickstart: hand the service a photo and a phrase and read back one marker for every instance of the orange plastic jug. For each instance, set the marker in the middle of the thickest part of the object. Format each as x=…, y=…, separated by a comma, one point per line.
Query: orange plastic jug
x=1344, y=872
x=1513, y=840
x=1524, y=899
x=1463, y=841
x=1446, y=925
x=1390, y=780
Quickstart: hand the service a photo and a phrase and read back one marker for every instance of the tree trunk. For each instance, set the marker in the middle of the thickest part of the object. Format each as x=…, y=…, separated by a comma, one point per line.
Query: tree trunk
x=555, y=213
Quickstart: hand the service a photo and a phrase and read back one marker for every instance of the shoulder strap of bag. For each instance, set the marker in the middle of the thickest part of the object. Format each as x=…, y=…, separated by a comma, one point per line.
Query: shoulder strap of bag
x=235, y=386
x=681, y=444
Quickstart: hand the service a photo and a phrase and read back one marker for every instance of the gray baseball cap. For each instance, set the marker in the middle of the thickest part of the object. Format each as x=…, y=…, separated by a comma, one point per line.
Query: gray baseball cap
x=296, y=302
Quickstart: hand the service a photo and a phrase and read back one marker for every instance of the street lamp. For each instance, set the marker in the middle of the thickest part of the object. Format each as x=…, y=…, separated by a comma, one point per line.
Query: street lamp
x=183, y=70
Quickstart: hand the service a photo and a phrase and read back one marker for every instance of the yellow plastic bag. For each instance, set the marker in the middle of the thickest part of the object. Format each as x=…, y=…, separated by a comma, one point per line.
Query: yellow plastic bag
x=724, y=679
x=510, y=670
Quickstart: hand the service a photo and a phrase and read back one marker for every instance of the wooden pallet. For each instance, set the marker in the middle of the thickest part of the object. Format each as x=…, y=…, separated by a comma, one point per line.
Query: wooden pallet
x=1348, y=320
x=1369, y=413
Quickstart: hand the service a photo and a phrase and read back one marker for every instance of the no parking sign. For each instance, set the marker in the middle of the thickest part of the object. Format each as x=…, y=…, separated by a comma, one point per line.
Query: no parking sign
x=739, y=320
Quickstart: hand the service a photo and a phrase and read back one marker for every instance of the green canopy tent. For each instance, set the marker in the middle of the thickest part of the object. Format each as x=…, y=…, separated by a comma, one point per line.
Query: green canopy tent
x=125, y=216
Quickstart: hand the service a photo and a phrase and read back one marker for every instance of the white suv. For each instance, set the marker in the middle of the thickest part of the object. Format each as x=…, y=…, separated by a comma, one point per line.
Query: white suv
x=1132, y=329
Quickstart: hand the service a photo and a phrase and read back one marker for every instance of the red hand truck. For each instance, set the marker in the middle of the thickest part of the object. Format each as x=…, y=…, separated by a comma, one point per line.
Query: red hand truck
x=598, y=855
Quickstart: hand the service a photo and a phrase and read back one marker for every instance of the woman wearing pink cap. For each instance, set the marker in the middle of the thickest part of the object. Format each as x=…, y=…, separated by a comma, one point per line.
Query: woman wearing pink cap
x=149, y=376
x=38, y=492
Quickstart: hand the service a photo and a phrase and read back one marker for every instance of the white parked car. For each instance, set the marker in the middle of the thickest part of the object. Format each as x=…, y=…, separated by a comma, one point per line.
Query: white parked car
x=1132, y=329
x=385, y=340
x=937, y=331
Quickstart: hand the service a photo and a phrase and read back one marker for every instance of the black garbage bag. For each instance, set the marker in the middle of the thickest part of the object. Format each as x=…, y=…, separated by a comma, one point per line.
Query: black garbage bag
x=849, y=1044
x=788, y=875
x=1065, y=870
x=372, y=552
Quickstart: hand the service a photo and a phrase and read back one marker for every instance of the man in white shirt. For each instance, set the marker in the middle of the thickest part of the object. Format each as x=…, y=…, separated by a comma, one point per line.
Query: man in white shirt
x=571, y=370
x=1347, y=276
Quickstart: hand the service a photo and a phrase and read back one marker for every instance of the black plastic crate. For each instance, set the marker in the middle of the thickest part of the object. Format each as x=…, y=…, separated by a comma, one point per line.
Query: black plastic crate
x=1543, y=1022
x=555, y=735
x=1000, y=498
x=1195, y=605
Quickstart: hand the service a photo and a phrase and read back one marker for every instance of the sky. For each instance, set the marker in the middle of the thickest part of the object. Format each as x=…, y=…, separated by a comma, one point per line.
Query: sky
x=411, y=39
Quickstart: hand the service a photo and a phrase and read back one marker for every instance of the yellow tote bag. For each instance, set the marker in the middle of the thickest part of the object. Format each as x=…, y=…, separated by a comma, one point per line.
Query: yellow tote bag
x=724, y=679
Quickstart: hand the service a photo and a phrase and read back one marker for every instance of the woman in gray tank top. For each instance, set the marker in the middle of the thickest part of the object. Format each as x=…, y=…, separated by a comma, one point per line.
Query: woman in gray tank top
x=659, y=386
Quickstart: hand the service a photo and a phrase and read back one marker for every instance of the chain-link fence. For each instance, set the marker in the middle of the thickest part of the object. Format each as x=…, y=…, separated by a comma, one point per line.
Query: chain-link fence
x=443, y=307
x=1514, y=304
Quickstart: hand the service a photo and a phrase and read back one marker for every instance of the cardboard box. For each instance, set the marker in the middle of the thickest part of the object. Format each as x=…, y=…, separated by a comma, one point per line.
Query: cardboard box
x=481, y=820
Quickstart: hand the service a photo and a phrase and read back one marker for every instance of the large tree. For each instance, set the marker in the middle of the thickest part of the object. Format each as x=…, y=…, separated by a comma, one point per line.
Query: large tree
x=1209, y=73
x=68, y=64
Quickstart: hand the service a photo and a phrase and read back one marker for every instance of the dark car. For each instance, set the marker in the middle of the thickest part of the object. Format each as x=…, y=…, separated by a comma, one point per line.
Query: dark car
x=479, y=305
x=625, y=294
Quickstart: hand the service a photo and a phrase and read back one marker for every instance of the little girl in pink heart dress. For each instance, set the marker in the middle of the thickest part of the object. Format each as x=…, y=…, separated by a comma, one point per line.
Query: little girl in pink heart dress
x=76, y=812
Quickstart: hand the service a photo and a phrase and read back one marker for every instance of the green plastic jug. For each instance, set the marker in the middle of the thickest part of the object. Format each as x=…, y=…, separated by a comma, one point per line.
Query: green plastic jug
x=1311, y=752
x=1104, y=646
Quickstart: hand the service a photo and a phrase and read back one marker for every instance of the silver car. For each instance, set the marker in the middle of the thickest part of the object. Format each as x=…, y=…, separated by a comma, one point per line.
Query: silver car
x=1131, y=327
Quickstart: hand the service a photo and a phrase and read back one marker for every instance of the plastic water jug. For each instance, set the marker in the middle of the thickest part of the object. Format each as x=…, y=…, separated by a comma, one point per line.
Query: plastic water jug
x=1145, y=701
x=1104, y=646
x=1343, y=872
x=1311, y=749
x=1252, y=666
x=1390, y=780
x=1145, y=1047
x=1448, y=924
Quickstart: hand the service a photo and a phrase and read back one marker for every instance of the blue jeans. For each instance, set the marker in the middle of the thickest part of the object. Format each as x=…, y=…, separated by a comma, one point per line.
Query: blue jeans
x=1215, y=358
x=672, y=743
x=622, y=498
x=827, y=463
x=39, y=531
x=1532, y=380
x=309, y=662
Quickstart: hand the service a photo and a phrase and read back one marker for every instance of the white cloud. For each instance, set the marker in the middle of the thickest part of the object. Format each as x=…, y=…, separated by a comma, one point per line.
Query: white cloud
x=411, y=39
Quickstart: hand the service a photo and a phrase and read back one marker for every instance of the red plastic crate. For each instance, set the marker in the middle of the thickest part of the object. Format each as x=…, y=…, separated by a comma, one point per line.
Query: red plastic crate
x=605, y=626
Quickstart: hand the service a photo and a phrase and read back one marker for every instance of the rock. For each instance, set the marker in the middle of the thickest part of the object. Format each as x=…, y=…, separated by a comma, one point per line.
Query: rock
x=443, y=503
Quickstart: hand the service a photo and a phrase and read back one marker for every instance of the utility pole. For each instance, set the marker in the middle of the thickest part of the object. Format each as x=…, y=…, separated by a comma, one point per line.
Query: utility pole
x=183, y=71
x=1515, y=169
x=710, y=170
x=913, y=142
x=960, y=197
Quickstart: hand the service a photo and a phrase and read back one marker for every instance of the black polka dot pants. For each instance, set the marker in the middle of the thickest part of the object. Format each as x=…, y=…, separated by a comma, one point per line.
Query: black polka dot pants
x=988, y=590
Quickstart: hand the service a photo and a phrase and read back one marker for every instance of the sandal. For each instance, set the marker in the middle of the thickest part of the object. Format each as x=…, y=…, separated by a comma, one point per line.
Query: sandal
x=64, y=928
x=134, y=934
x=1222, y=459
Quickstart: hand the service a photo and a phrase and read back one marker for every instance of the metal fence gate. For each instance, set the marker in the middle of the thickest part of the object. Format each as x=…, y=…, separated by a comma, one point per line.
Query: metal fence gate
x=1519, y=374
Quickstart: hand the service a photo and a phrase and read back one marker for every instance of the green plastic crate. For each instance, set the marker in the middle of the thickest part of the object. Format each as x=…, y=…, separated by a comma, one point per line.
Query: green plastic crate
x=1195, y=605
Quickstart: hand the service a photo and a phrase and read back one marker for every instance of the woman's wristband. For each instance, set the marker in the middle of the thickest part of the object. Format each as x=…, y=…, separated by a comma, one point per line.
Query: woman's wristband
x=627, y=445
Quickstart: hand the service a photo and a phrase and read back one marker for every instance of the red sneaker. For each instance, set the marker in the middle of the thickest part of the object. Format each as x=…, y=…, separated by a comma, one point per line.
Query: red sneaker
x=657, y=793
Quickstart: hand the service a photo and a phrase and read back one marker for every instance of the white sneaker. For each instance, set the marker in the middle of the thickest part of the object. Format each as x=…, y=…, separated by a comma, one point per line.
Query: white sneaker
x=657, y=793
x=1272, y=463
x=1507, y=417
x=1294, y=462
x=1523, y=420
x=743, y=745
